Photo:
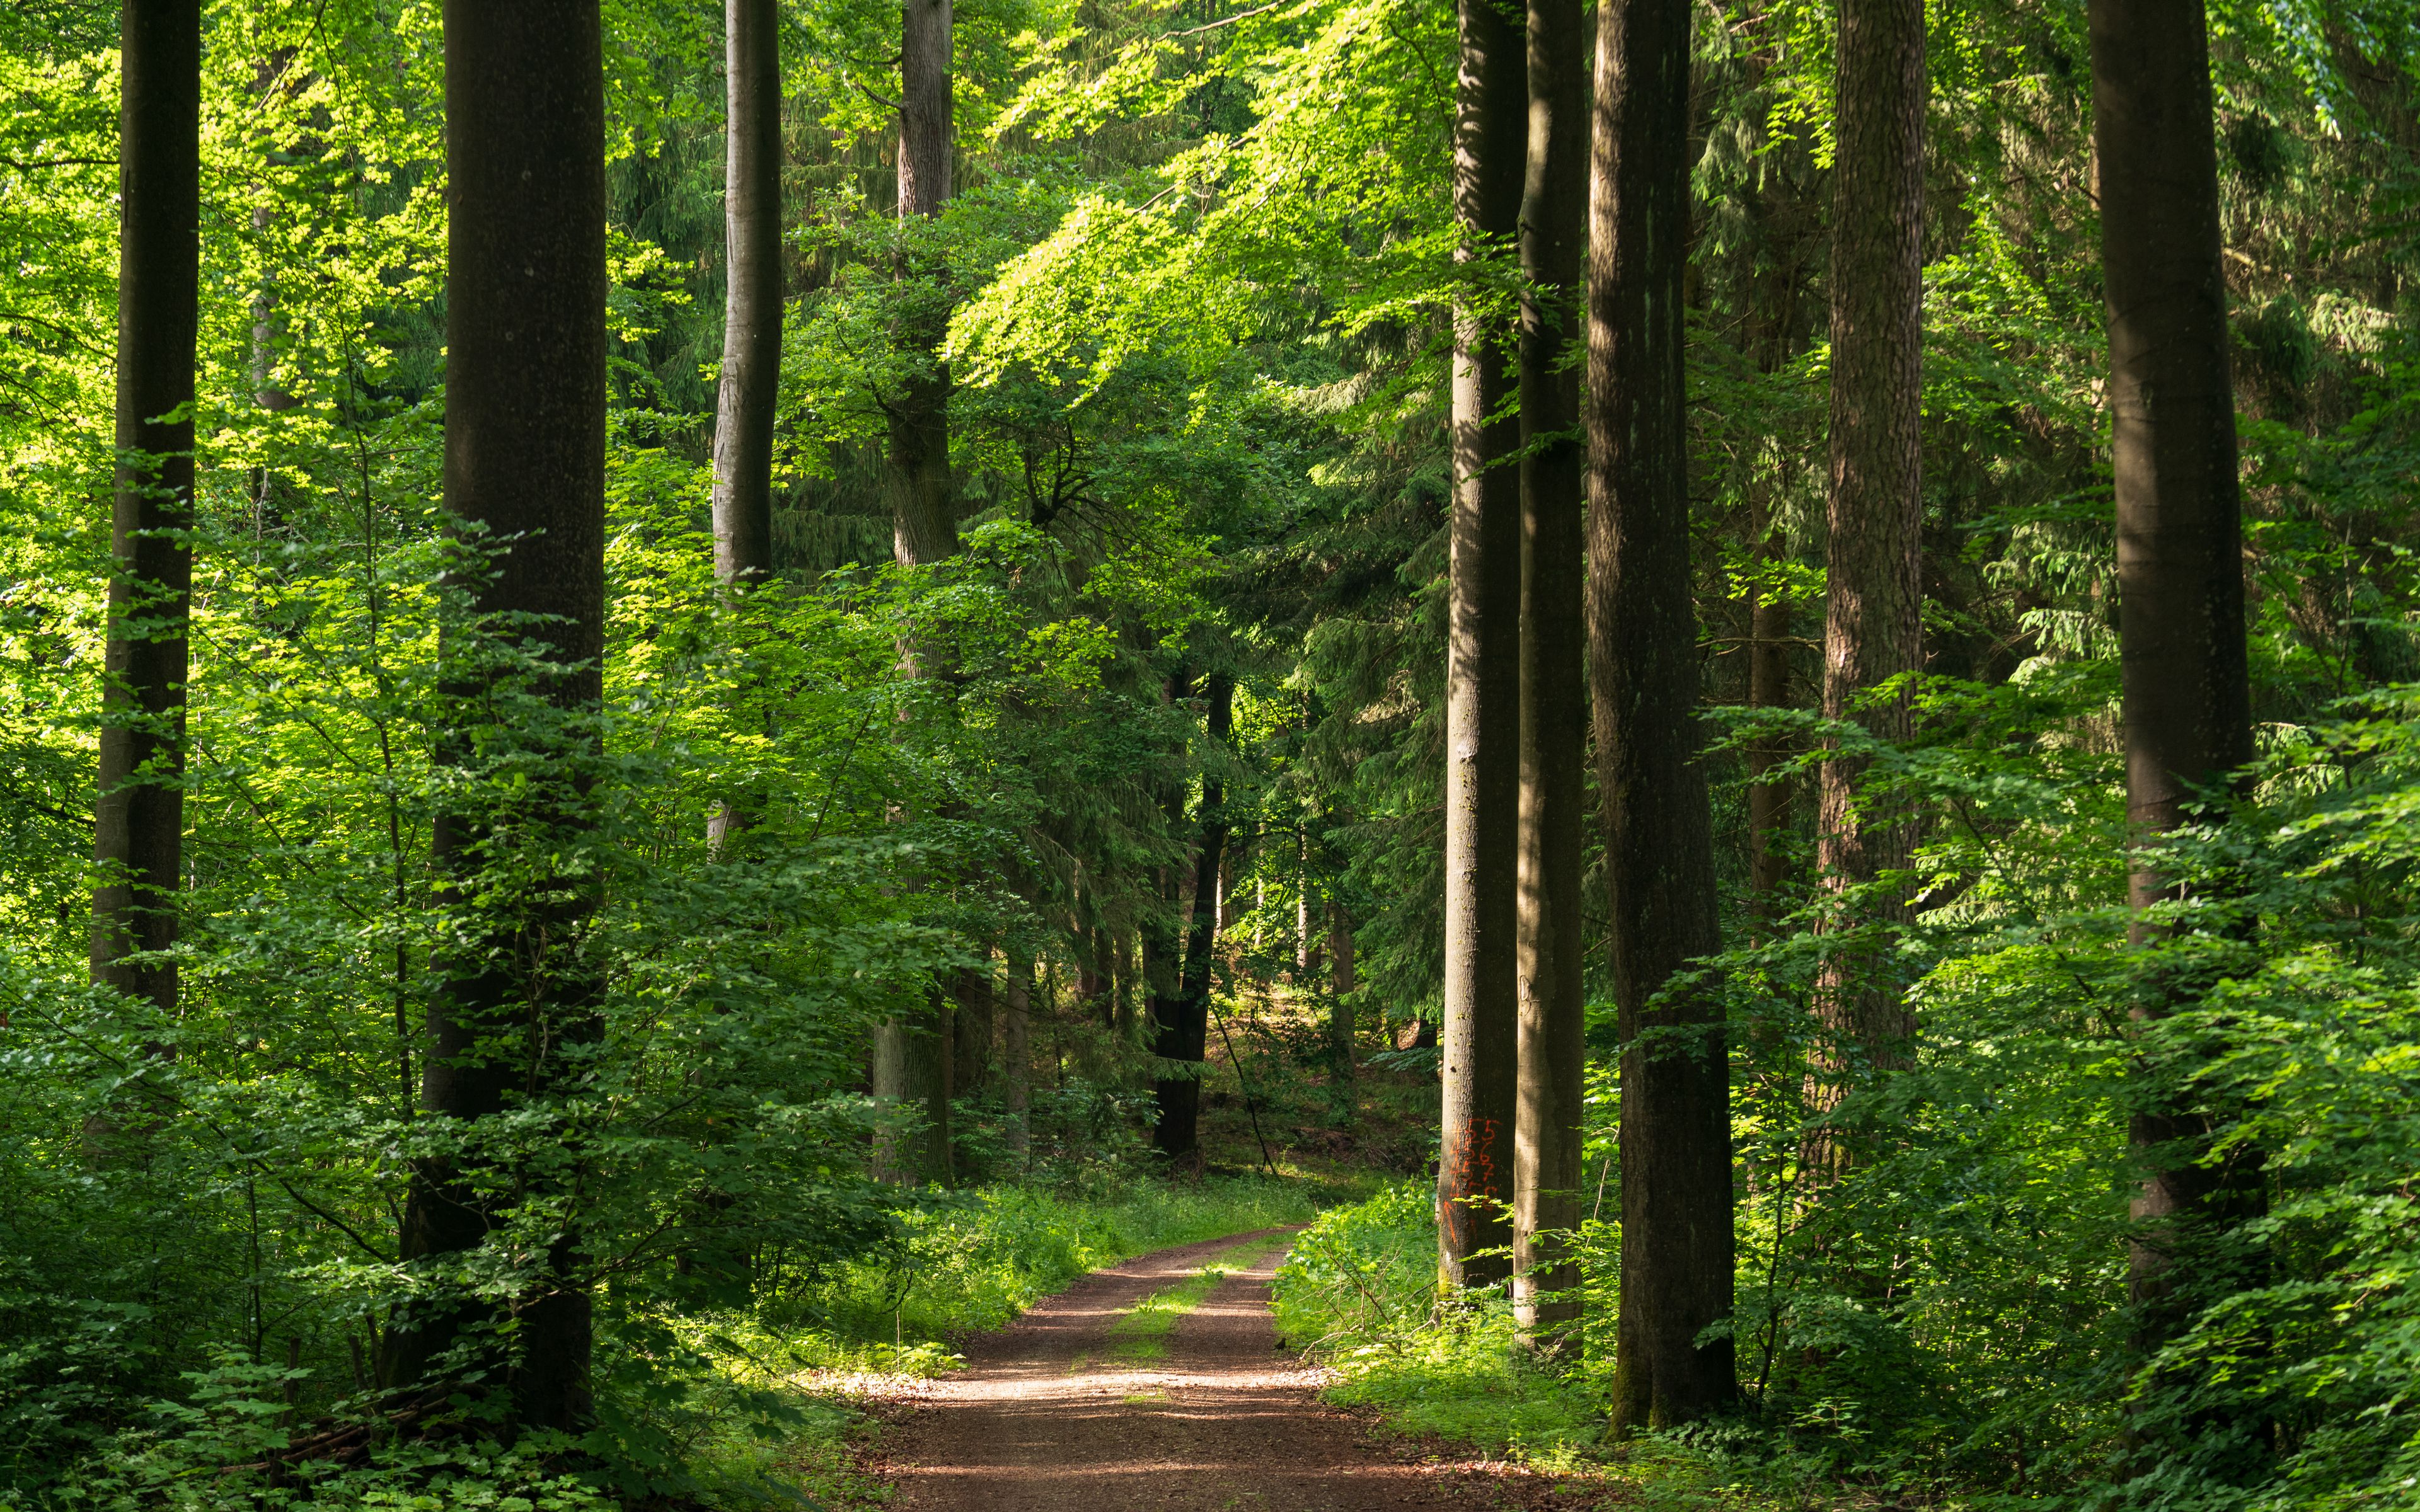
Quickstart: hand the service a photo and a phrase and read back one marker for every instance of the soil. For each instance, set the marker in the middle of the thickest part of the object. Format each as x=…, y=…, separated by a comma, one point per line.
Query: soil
x=1049, y=1417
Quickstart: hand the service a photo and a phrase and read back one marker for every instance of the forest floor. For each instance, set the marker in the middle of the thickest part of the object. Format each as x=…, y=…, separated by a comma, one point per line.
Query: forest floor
x=1160, y=1383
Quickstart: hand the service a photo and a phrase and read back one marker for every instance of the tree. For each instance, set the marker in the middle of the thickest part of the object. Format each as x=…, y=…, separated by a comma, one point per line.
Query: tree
x=1483, y=671
x=1874, y=606
x=1180, y=1024
x=1550, y=1102
x=516, y=1005
x=751, y=323
x=1675, y=1132
x=139, y=823
x=912, y=1053
x=2182, y=661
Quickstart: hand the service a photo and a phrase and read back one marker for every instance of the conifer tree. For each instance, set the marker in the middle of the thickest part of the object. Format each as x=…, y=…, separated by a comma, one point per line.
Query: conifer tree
x=1675, y=1131
x=1483, y=671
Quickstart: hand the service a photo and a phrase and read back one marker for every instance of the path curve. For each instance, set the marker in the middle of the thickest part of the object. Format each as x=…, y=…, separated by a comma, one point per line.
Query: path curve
x=1047, y=1417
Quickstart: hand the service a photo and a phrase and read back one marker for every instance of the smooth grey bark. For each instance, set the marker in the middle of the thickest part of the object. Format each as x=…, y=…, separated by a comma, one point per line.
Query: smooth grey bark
x=752, y=310
x=525, y=480
x=1643, y=665
x=1550, y=1098
x=911, y=1060
x=1874, y=596
x=139, y=815
x=2182, y=658
x=1482, y=687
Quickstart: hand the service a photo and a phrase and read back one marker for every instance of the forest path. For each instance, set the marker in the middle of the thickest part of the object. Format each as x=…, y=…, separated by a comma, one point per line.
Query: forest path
x=1109, y=1395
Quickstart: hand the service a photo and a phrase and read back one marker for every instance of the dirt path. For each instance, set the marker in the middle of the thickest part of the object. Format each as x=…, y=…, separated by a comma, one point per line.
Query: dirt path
x=1071, y=1410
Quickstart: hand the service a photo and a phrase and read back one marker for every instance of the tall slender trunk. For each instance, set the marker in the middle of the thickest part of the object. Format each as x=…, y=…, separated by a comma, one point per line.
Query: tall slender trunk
x=1768, y=687
x=1676, y=1168
x=971, y=1030
x=751, y=311
x=1482, y=683
x=911, y=1061
x=139, y=817
x=1184, y=1032
x=525, y=472
x=2182, y=661
x=923, y=510
x=1016, y=1056
x=1874, y=595
x=1550, y=1099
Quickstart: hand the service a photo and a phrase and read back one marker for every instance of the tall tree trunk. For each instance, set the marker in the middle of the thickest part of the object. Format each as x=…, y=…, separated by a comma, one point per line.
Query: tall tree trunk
x=1874, y=595
x=1183, y=1034
x=971, y=1028
x=1676, y=1167
x=1768, y=687
x=1550, y=1102
x=1482, y=683
x=139, y=817
x=751, y=317
x=525, y=396
x=911, y=1061
x=924, y=509
x=1016, y=1055
x=2180, y=614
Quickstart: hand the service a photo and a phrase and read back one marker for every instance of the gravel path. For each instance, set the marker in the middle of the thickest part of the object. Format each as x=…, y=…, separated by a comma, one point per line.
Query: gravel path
x=1050, y=1415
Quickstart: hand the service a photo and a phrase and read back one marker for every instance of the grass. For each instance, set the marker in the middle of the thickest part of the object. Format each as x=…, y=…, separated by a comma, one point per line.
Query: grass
x=1141, y=1333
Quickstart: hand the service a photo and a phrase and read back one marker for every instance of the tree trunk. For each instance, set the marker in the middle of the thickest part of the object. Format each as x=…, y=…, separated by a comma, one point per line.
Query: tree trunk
x=1768, y=687
x=525, y=472
x=971, y=994
x=1184, y=1032
x=139, y=817
x=1549, y=1105
x=1676, y=1171
x=2181, y=624
x=1482, y=690
x=1016, y=1056
x=751, y=318
x=923, y=510
x=1340, y=988
x=1874, y=596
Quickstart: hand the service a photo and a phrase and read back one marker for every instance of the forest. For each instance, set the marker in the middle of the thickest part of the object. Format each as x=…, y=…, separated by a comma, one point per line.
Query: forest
x=1711, y=705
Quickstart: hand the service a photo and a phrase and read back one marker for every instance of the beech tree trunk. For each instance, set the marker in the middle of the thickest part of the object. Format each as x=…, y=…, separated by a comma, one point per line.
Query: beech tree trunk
x=1553, y=1036
x=2180, y=614
x=139, y=816
x=1643, y=664
x=1874, y=595
x=1482, y=687
x=1183, y=1033
x=911, y=1060
x=524, y=470
x=751, y=311
x=923, y=508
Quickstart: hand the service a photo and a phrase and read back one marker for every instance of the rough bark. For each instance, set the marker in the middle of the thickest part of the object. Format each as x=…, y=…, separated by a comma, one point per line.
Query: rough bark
x=1874, y=596
x=971, y=1030
x=525, y=472
x=1643, y=665
x=1482, y=690
x=751, y=311
x=2181, y=624
x=139, y=816
x=1181, y=1034
x=1553, y=1034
